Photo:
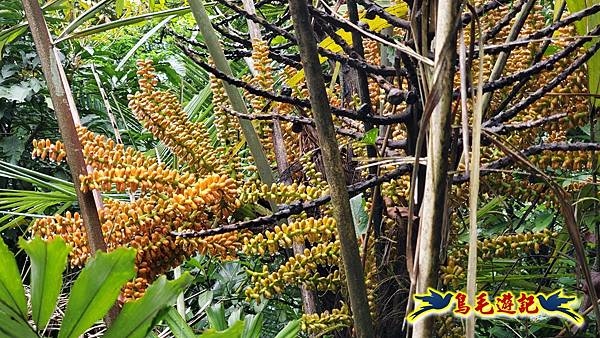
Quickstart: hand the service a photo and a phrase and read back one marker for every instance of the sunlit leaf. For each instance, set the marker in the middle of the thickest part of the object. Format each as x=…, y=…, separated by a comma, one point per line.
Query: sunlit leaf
x=15, y=328
x=290, y=330
x=96, y=289
x=135, y=320
x=370, y=137
x=359, y=215
x=177, y=324
x=234, y=331
x=48, y=261
x=216, y=317
x=12, y=293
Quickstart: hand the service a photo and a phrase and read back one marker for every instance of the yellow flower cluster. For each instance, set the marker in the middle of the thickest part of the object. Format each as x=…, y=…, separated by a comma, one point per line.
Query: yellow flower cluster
x=164, y=117
x=299, y=269
x=326, y=321
x=313, y=230
x=55, y=152
x=279, y=192
x=498, y=247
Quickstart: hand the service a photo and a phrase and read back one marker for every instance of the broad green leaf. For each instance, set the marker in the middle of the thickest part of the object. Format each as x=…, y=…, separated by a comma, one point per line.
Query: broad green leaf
x=551, y=50
x=10, y=34
x=13, y=146
x=253, y=326
x=16, y=92
x=135, y=320
x=234, y=331
x=359, y=215
x=370, y=137
x=216, y=317
x=204, y=300
x=12, y=293
x=96, y=289
x=15, y=328
x=178, y=325
x=290, y=330
x=278, y=40
x=583, y=27
x=234, y=316
x=48, y=261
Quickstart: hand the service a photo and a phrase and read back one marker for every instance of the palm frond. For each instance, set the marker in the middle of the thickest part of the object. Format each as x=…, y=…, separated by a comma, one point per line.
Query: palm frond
x=54, y=195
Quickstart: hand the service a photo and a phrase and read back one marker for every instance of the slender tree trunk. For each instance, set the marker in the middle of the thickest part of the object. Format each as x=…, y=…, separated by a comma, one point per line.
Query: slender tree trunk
x=434, y=199
x=308, y=297
x=235, y=98
x=334, y=171
x=68, y=120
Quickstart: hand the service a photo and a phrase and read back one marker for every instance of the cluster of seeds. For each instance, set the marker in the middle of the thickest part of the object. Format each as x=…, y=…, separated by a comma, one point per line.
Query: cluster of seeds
x=227, y=125
x=43, y=149
x=299, y=269
x=397, y=190
x=279, y=192
x=449, y=327
x=373, y=56
x=564, y=160
x=324, y=322
x=146, y=225
x=499, y=247
x=70, y=228
x=164, y=117
x=312, y=230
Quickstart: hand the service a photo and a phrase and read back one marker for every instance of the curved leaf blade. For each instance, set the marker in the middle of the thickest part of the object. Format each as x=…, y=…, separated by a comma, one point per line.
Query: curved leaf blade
x=124, y=22
x=290, y=330
x=216, y=317
x=143, y=40
x=12, y=293
x=253, y=326
x=234, y=331
x=15, y=328
x=177, y=324
x=48, y=261
x=96, y=289
x=84, y=17
x=135, y=320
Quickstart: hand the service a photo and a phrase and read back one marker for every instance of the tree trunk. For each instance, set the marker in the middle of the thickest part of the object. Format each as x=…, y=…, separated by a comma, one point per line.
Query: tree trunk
x=68, y=120
x=434, y=199
x=235, y=98
x=363, y=324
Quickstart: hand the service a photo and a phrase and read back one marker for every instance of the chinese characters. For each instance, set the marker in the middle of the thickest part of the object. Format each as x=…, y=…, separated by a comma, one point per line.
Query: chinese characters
x=506, y=304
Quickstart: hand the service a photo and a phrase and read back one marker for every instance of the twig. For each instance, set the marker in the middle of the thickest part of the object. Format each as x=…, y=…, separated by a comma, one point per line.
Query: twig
x=544, y=32
x=533, y=150
x=514, y=110
x=381, y=120
x=536, y=58
x=294, y=208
